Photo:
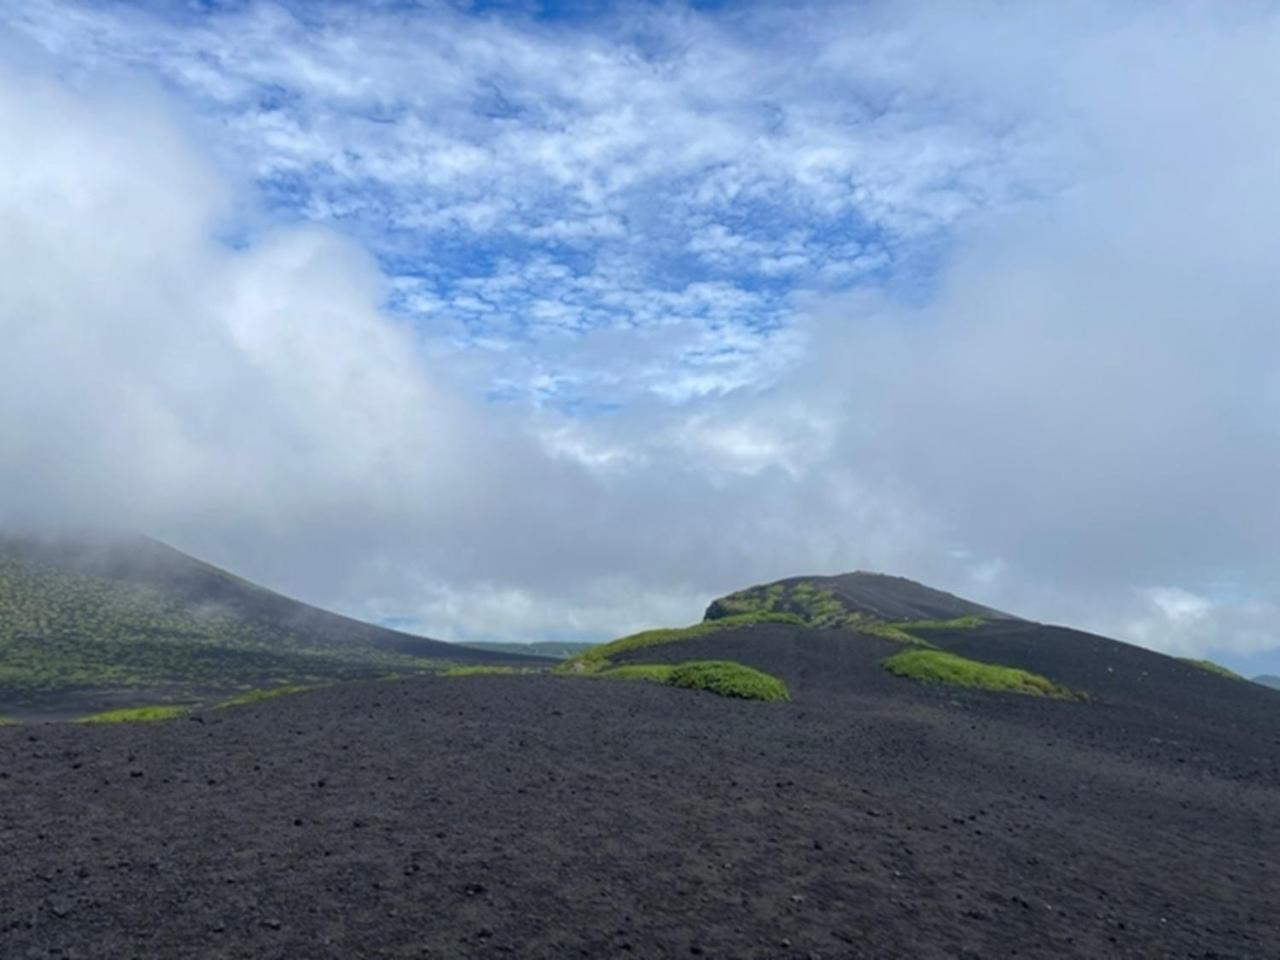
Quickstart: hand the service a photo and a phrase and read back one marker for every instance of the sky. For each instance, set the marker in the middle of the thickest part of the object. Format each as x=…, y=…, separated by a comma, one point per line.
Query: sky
x=553, y=321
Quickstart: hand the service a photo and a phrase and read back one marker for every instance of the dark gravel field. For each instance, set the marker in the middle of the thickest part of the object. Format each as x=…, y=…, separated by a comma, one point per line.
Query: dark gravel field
x=538, y=816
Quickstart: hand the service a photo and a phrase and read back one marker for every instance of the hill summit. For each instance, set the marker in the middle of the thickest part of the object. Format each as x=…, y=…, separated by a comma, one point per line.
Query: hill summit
x=850, y=599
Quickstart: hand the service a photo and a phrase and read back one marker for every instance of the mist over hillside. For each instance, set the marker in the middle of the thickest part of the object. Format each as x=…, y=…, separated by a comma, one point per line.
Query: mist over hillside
x=109, y=619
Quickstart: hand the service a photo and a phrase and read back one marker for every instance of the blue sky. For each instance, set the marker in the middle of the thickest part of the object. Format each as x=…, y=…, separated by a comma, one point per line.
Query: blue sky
x=557, y=317
x=523, y=177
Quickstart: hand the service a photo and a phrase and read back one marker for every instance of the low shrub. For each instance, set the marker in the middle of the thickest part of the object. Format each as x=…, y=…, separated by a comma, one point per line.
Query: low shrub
x=728, y=679
x=937, y=666
x=724, y=677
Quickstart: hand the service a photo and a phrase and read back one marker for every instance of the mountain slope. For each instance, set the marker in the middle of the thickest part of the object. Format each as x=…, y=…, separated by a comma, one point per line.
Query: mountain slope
x=1162, y=704
x=100, y=619
x=1267, y=680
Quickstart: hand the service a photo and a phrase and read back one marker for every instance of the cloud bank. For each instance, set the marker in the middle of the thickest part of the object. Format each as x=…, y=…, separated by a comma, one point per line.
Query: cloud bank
x=1026, y=351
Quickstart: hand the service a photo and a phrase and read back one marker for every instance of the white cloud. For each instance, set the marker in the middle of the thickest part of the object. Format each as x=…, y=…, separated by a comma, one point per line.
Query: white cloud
x=1182, y=623
x=772, y=144
x=1080, y=404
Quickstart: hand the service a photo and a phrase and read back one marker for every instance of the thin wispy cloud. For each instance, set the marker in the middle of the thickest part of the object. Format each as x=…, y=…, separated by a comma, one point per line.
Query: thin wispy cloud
x=524, y=180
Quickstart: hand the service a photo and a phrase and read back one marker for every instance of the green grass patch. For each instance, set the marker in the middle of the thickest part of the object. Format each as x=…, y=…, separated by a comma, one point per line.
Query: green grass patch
x=136, y=714
x=936, y=666
x=253, y=696
x=1212, y=667
x=888, y=631
x=9, y=722
x=728, y=679
x=597, y=658
x=724, y=677
x=817, y=606
x=480, y=670
x=813, y=605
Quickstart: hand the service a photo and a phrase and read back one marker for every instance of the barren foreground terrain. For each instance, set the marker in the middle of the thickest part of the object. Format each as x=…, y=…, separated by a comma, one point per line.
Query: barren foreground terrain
x=543, y=816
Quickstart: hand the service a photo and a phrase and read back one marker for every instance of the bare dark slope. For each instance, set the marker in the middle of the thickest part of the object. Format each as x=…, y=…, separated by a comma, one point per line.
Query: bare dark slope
x=897, y=598
x=1143, y=704
x=540, y=816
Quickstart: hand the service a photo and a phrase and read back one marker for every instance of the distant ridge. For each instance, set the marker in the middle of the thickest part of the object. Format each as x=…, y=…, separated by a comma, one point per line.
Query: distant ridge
x=875, y=596
x=1268, y=680
x=555, y=649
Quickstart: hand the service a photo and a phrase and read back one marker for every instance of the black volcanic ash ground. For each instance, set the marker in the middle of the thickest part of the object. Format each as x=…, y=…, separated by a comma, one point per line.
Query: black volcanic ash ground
x=538, y=816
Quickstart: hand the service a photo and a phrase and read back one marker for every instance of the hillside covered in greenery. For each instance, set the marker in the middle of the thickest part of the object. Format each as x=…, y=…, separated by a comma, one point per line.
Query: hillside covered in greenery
x=107, y=616
x=856, y=600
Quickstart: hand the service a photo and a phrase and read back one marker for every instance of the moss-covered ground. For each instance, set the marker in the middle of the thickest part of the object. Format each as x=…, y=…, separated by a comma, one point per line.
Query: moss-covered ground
x=137, y=714
x=480, y=670
x=598, y=658
x=817, y=606
x=726, y=678
x=66, y=631
x=937, y=666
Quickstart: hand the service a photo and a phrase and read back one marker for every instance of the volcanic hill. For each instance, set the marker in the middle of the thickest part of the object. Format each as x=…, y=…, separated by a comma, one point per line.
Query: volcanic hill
x=851, y=597
x=99, y=621
x=1117, y=804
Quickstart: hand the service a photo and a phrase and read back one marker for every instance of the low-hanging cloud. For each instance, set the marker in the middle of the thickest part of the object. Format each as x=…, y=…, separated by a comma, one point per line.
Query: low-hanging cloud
x=1079, y=421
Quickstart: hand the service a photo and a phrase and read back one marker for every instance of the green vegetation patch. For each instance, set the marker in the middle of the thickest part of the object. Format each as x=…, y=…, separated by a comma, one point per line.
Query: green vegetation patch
x=597, y=658
x=9, y=722
x=728, y=679
x=724, y=677
x=817, y=606
x=64, y=631
x=253, y=696
x=136, y=714
x=478, y=670
x=896, y=632
x=936, y=666
x=1212, y=667
x=811, y=604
